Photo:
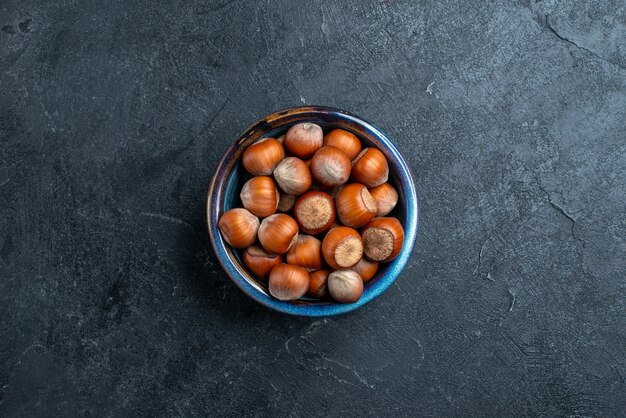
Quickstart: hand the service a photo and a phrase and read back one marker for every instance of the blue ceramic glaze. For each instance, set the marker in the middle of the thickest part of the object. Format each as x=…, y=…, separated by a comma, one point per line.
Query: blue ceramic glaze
x=230, y=176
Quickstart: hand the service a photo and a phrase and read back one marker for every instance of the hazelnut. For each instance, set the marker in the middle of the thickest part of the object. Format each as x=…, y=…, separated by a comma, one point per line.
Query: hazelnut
x=342, y=247
x=330, y=166
x=239, y=227
x=317, y=283
x=260, y=158
x=286, y=202
x=303, y=139
x=288, y=282
x=386, y=198
x=260, y=262
x=355, y=205
x=382, y=239
x=306, y=252
x=345, y=141
x=277, y=233
x=260, y=196
x=345, y=286
x=314, y=212
x=366, y=269
x=293, y=176
x=370, y=168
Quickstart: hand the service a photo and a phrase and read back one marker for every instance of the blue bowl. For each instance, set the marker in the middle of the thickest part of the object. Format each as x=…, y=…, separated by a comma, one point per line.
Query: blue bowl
x=230, y=176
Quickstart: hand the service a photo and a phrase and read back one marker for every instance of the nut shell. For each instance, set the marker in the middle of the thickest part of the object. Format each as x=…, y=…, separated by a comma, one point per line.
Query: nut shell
x=342, y=247
x=318, y=283
x=345, y=286
x=366, y=269
x=306, y=252
x=288, y=282
x=382, y=239
x=314, y=212
x=345, y=141
x=303, y=139
x=260, y=262
x=286, y=202
x=330, y=166
x=260, y=196
x=260, y=158
x=386, y=198
x=355, y=205
x=239, y=227
x=277, y=233
x=293, y=176
x=370, y=168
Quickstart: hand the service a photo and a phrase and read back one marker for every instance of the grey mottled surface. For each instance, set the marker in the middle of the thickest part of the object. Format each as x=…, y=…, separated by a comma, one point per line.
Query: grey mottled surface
x=113, y=116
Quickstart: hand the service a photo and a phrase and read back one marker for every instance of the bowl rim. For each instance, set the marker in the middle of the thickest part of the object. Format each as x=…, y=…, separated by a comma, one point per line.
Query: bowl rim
x=220, y=178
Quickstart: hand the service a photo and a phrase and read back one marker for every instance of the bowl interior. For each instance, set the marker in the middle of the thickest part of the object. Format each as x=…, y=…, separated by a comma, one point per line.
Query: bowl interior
x=230, y=177
x=238, y=176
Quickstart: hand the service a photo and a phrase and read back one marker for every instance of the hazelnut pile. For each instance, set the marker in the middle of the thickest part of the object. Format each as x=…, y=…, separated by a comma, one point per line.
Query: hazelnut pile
x=323, y=202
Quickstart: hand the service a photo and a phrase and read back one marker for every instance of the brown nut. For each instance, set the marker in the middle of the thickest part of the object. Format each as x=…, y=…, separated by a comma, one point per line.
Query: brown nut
x=366, y=269
x=286, y=202
x=277, y=233
x=262, y=157
x=288, y=282
x=260, y=196
x=342, y=247
x=382, y=239
x=306, y=252
x=386, y=198
x=239, y=227
x=355, y=205
x=345, y=286
x=293, y=176
x=345, y=141
x=314, y=212
x=303, y=139
x=260, y=262
x=370, y=168
x=317, y=283
x=330, y=166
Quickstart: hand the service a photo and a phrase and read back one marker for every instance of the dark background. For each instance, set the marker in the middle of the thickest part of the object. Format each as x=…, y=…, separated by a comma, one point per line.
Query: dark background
x=113, y=116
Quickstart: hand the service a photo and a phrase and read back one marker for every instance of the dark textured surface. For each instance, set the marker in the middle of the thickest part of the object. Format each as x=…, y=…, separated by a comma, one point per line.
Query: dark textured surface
x=113, y=116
